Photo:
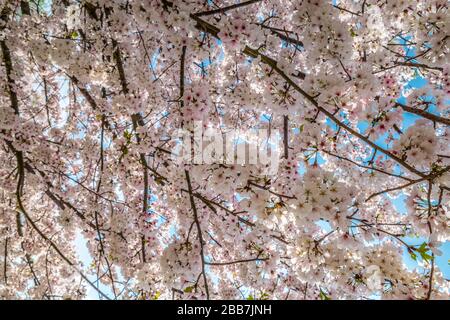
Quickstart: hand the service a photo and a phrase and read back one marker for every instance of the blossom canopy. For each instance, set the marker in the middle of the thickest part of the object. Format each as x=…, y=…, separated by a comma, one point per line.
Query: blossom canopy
x=92, y=93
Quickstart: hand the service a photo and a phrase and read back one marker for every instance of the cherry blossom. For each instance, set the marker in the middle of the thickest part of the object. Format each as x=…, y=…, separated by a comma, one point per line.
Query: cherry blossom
x=92, y=202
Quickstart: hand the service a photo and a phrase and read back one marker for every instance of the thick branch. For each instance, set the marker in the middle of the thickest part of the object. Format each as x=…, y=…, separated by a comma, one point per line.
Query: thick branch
x=424, y=114
x=235, y=262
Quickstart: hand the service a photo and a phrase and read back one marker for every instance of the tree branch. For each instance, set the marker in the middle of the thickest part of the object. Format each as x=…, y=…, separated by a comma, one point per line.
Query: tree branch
x=199, y=231
x=225, y=9
x=424, y=114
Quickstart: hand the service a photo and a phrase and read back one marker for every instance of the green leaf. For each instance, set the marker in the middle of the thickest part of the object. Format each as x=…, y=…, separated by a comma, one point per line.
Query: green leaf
x=74, y=35
x=127, y=135
x=189, y=289
x=422, y=247
x=323, y=295
x=264, y=296
x=423, y=251
x=157, y=295
x=250, y=297
x=426, y=257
